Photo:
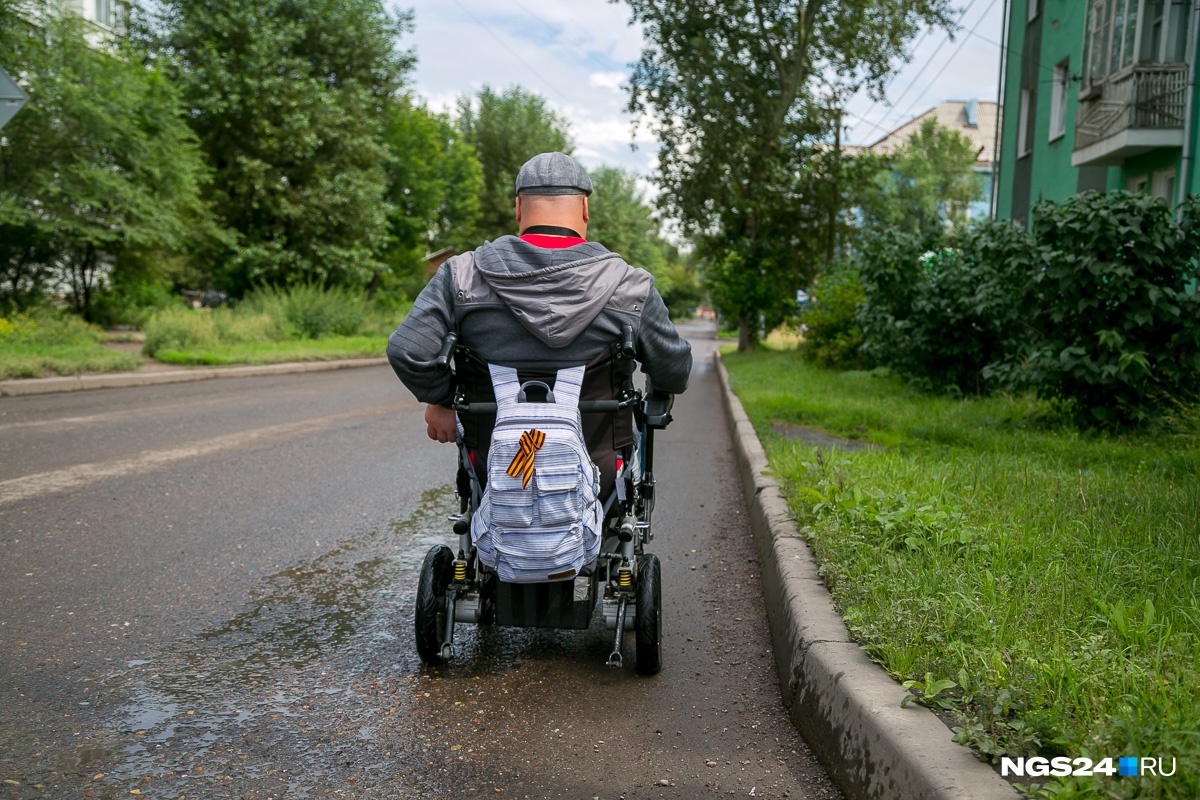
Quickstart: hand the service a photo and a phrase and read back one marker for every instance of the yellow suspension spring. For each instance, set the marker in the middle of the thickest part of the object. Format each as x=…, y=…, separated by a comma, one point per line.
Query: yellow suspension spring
x=625, y=577
x=460, y=570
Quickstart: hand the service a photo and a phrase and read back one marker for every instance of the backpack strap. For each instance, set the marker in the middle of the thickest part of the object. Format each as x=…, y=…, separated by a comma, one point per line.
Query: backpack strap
x=567, y=386
x=505, y=384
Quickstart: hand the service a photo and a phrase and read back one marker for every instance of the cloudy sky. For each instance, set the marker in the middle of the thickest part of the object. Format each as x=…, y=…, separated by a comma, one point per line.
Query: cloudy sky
x=577, y=53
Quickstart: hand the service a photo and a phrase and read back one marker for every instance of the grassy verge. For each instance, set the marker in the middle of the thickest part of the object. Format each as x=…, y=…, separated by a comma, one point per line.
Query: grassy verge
x=46, y=342
x=301, y=323
x=1044, y=584
x=328, y=349
x=41, y=360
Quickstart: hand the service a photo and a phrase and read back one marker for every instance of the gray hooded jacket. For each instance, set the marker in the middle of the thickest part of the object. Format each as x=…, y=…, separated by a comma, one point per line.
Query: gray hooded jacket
x=530, y=307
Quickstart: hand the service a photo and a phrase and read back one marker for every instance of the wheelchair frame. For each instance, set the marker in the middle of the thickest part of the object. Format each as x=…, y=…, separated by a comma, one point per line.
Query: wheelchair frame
x=455, y=587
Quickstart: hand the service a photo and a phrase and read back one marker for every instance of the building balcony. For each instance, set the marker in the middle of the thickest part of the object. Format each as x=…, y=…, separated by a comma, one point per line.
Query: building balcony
x=1138, y=109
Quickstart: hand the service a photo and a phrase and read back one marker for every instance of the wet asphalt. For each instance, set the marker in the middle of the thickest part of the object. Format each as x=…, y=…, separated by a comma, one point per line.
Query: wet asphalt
x=207, y=593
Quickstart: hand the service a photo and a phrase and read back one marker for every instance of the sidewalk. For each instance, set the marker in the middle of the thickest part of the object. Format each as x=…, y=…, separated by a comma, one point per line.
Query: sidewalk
x=846, y=706
x=153, y=373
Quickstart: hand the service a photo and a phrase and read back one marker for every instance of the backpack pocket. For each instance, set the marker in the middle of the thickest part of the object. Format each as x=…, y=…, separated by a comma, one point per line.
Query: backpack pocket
x=559, y=500
x=512, y=506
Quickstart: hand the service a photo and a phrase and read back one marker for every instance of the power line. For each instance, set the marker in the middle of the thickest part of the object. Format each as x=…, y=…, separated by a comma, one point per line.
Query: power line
x=504, y=44
x=933, y=55
x=557, y=33
x=949, y=61
x=917, y=46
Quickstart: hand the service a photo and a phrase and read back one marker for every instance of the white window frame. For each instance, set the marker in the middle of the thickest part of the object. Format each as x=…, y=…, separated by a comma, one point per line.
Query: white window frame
x=101, y=12
x=1024, y=126
x=1163, y=185
x=1058, y=101
x=1034, y=8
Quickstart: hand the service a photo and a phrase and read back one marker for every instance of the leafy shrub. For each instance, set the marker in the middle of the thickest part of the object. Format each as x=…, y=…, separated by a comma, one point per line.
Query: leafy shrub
x=888, y=264
x=832, y=336
x=311, y=310
x=1114, y=331
x=131, y=303
x=939, y=316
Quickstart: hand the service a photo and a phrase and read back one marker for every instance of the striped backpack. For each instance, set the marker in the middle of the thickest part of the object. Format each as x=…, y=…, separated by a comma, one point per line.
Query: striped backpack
x=540, y=516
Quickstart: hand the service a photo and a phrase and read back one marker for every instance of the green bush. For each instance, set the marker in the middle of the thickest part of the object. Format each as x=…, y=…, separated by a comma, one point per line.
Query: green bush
x=832, y=336
x=1114, y=333
x=131, y=303
x=311, y=310
x=939, y=316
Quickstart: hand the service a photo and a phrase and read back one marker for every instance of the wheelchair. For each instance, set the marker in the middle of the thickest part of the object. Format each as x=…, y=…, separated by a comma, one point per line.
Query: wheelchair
x=625, y=580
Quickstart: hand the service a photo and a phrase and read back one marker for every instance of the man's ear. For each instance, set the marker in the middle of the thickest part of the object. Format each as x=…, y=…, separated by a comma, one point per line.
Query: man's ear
x=517, y=209
x=585, y=208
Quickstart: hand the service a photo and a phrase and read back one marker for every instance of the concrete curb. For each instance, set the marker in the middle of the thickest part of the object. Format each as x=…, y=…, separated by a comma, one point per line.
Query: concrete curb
x=845, y=705
x=118, y=380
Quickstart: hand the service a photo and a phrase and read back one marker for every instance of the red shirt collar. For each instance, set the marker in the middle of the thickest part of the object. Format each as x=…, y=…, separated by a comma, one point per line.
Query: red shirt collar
x=552, y=242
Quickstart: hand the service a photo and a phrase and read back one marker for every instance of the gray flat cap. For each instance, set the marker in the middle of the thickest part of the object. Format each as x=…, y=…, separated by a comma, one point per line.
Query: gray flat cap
x=553, y=173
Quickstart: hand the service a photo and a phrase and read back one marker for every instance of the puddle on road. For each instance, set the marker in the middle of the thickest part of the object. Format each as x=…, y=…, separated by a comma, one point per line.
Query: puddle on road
x=285, y=699
x=315, y=689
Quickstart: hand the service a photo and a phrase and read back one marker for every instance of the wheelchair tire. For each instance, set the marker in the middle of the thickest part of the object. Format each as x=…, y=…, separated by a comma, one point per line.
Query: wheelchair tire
x=648, y=619
x=429, y=617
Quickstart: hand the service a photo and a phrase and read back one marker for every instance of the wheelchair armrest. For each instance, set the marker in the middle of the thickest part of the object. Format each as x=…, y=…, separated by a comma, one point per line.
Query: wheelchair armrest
x=656, y=409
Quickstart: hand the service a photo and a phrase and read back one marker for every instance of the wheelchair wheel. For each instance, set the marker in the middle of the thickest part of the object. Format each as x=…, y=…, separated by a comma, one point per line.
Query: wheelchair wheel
x=648, y=619
x=429, y=617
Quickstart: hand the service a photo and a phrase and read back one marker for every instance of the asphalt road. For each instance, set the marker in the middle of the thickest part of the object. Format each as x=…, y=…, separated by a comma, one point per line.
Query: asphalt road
x=207, y=592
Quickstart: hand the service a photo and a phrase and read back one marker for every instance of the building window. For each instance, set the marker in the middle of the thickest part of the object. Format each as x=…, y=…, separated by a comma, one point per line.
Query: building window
x=1025, y=124
x=1137, y=184
x=1035, y=8
x=1058, y=101
x=1121, y=33
x=101, y=11
x=1163, y=186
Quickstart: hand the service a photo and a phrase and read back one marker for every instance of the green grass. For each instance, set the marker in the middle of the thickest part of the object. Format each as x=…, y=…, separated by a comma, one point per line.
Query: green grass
x=47, y=342
x=42, y=360
x=1053, y=576
x=327, y=349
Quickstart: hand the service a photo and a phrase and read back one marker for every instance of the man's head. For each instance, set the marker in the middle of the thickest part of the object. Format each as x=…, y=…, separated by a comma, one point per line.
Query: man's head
x=552, y=189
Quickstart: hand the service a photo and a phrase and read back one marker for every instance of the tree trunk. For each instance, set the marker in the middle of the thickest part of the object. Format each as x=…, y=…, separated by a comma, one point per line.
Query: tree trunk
x=746, y=338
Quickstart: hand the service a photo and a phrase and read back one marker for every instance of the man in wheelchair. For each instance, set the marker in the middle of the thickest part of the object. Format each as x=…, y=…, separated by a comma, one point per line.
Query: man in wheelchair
x=538, y=302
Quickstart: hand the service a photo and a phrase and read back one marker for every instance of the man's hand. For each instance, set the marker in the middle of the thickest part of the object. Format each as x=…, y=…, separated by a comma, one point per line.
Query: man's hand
x=442, y=423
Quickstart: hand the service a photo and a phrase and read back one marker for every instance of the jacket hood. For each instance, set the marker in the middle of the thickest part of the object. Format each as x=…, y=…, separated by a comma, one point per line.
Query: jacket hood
x=555, y=293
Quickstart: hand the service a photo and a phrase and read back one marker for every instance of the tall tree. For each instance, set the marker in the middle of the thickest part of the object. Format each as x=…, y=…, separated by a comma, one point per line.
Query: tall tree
x=99, y=173
x=288, y=99
x=434, y=183
x=507, y=129
x=621, y=220
x=927, y=185
x=741, y=93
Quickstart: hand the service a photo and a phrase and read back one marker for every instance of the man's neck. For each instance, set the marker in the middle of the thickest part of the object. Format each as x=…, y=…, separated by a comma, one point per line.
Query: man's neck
x=550, y=230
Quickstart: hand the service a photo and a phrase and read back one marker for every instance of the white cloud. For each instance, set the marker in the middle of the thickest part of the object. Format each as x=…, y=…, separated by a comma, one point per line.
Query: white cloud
x=607, y=80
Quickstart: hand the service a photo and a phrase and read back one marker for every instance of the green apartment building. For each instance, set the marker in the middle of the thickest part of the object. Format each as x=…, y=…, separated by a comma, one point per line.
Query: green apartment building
x=1098, y=94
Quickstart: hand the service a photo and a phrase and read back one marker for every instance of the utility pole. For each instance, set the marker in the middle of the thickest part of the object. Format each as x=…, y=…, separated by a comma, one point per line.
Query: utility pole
x=836, y=200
